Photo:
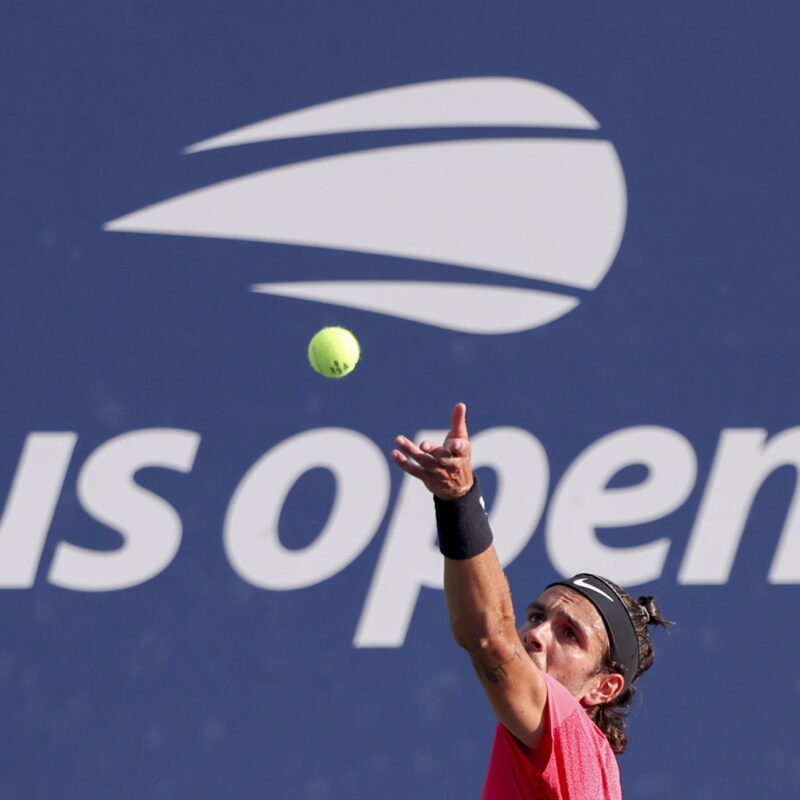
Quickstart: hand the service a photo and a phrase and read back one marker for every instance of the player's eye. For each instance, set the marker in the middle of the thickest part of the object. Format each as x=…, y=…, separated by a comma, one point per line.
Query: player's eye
x=535, y=617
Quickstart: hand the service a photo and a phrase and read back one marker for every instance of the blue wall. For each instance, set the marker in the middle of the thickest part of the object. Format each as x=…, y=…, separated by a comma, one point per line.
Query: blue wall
x=257, y=614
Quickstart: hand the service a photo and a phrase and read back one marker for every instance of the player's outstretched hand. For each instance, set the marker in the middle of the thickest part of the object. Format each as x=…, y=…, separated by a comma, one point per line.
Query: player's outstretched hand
x=445, y=470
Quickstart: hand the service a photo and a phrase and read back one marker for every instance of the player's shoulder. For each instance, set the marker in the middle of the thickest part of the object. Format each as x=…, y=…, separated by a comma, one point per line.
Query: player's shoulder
x=561, y=702
x=566, y=715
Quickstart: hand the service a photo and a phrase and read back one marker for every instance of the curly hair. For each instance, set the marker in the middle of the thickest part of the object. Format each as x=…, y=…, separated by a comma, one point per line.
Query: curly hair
x=610, y=717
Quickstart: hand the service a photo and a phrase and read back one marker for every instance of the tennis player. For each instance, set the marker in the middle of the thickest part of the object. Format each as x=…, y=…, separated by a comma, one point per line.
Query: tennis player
x=561, y=683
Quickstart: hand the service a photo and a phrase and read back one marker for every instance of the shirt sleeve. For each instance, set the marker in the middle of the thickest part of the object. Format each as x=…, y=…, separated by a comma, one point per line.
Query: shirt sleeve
x=573, y=760
x=575, y=756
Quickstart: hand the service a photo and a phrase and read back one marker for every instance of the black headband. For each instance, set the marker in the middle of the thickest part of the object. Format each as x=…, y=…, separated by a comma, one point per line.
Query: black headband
x=622, y=636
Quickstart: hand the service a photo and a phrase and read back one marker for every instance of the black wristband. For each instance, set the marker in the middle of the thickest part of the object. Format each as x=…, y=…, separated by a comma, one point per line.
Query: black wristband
x=463, y=525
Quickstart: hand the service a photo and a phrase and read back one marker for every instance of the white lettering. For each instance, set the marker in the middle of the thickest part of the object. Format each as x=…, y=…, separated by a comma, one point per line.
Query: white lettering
x=30, y=506
x=743, y=461
x=251, y=535
x=150, y=527
x=583, y=502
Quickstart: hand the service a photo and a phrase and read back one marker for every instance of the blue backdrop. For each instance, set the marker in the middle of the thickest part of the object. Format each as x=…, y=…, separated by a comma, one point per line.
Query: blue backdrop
x=580, y=219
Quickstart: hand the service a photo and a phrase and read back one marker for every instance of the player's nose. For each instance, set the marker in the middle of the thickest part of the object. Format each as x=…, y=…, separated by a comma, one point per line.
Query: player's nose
x=534, y=639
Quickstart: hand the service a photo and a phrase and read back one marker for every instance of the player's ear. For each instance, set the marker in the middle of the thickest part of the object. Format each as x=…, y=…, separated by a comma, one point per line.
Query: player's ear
x=603, y=688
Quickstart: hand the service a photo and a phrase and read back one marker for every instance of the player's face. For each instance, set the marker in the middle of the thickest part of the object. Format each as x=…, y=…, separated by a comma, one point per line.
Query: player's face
x=565, y=637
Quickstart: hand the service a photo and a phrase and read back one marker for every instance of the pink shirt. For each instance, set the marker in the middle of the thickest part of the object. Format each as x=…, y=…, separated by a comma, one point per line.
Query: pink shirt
x=573, y=761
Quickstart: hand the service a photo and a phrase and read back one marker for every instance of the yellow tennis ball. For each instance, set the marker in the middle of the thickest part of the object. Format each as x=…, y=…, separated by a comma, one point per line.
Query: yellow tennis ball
x=334, y=352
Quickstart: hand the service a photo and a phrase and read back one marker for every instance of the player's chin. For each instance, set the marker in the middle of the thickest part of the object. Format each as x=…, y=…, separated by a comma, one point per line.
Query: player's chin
x=537, y=659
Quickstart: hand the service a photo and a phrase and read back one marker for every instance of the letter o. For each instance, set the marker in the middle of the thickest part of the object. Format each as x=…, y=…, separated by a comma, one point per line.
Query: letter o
x=251, y=539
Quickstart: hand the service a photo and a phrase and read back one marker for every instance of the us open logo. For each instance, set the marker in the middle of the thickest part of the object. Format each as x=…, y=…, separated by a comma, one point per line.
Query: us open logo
x=546, y=207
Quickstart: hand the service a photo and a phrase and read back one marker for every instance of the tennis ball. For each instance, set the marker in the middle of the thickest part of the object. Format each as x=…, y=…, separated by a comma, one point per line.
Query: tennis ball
x=333, y=352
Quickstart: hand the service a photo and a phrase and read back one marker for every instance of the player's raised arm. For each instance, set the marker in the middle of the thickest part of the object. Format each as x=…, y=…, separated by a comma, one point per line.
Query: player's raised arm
x=478, y=598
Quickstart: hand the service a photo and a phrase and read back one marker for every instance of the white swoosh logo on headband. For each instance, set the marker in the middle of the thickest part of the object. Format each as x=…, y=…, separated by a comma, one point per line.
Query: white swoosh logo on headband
x=582, y=583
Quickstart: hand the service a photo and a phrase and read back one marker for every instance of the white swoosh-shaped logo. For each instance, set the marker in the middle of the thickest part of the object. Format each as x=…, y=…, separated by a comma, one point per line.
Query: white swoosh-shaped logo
x=459, y=102
x=551, y=210
x=467, y=307
x=582, y=582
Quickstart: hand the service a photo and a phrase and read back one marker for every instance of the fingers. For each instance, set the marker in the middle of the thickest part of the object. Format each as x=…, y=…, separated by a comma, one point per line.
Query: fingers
x=445, y=469
x=424, y=460
x=458, y=422
x=443, y=458
x=458, y=447
x=409, y=448
x=443, y=455
x=407, y=465
x=428, y=457
x=411, y=459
